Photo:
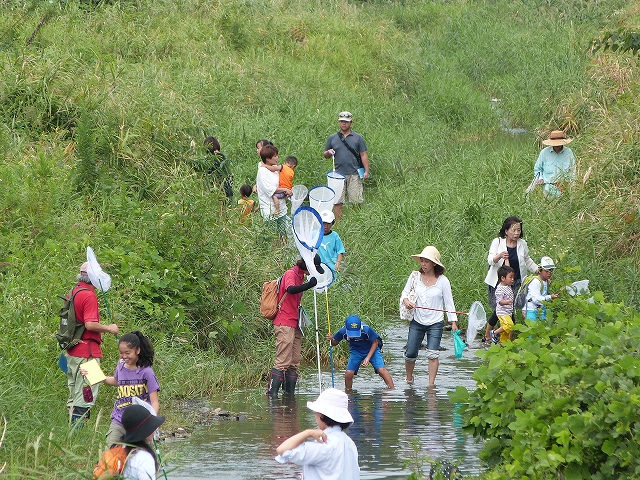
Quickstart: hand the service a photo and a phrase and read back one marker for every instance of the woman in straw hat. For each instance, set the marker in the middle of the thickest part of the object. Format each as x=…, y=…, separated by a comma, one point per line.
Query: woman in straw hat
x=432, y=293
x=556, y=164
x=333, y=455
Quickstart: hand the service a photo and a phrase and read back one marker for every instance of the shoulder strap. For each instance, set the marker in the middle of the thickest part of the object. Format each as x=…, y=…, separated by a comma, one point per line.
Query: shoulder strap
x=353, y=152
x=284, y=294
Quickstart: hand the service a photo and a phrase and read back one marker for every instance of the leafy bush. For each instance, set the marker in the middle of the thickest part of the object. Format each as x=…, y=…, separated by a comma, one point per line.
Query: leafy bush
x=561, y=401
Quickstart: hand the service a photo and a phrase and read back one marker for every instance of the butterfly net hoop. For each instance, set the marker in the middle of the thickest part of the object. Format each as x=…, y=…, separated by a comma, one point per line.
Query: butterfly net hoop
x=99, y=278
x=307, y=227
x=324, y=279
x=477, y=319
x=307, y=233
x=298, y=196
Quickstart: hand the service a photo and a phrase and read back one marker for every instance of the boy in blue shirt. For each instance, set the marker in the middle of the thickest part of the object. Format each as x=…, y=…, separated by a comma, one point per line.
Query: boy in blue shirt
x=331, y=249
x=363, y=349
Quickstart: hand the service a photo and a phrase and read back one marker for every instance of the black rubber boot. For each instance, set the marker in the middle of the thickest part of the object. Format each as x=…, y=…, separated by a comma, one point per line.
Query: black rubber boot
x=290, y=380
x=276, y=378
x=79, y=416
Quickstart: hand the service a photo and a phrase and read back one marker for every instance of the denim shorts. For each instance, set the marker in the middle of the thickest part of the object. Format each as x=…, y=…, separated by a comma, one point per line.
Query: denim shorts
x=356, y=358
x=417, y=332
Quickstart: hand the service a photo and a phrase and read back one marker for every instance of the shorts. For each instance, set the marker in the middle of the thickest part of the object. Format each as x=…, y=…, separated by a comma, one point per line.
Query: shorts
x=356, y=358
x=506, y=322
x=352, y=187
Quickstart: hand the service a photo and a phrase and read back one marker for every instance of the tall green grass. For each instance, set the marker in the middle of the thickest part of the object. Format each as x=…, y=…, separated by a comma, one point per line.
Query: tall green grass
x=132, y=89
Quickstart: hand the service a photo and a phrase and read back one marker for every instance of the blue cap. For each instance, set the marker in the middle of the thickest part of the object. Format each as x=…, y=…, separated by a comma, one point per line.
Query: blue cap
x=353, y=325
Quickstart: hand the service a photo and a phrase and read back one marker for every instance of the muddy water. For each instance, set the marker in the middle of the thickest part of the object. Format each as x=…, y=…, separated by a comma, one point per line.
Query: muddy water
x=386, y=422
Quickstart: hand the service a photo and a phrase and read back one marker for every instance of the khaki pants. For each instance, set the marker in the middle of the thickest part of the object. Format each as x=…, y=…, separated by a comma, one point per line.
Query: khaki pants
x=353, y=188
x=288, y=347
x=75, y=382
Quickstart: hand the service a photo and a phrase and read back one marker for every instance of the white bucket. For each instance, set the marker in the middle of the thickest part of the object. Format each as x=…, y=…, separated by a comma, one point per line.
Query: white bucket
x=299, y=194
x=321, y=198
x=335, y=181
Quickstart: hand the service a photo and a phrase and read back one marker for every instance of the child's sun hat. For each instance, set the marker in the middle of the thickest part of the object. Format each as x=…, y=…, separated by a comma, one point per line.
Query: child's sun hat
x=353, y=325
x=547, y=264
x=139, y=423
x=334, y=404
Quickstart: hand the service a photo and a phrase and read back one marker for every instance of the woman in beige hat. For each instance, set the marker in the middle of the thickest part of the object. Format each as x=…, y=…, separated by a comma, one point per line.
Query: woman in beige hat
x=556, y=164
x=432, y=293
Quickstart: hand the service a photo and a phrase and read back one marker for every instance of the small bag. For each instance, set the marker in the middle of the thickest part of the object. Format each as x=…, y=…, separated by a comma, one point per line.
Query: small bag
x=303, y=319
x=87, y=393
x=407, y=313
x=458, y=344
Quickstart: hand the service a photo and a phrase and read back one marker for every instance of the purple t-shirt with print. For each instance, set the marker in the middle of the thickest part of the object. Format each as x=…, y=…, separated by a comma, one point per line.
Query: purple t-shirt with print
x=132, y=383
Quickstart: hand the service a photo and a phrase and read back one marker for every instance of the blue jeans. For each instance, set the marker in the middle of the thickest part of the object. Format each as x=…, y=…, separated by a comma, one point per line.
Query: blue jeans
x=416, y=335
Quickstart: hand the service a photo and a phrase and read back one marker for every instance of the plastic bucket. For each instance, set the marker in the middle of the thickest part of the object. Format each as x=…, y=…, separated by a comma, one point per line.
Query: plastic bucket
x=335, y=181
x=299, y=194
x=321, y=198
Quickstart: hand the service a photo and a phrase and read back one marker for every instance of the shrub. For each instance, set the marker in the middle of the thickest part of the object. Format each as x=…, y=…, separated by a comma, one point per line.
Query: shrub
x=561, y=401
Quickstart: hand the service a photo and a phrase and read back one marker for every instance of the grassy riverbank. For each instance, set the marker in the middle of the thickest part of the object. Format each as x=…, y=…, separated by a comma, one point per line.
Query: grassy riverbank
x=104, y=108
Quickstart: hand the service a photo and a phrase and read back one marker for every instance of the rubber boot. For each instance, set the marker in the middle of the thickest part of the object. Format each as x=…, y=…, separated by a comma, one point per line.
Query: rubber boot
x=79, y=417
x=290, y=380
x=276, y=378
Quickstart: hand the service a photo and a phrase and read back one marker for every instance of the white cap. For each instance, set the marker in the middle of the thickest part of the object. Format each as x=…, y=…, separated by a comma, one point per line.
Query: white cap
x=327, y=216
x=547, y=264
x=345, y=116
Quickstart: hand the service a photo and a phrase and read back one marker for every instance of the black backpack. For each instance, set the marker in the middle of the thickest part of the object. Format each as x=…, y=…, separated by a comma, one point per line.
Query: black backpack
x=70, y=330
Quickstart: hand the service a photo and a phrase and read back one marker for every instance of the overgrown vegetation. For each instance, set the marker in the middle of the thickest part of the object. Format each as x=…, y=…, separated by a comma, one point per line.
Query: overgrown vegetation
x=104, y=107
x=561, y=400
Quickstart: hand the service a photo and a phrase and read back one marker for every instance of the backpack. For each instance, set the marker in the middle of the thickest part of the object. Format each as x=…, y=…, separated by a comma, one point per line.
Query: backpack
x=520, y=300
x=70, y=330
x=111, y=463
x=269, y=304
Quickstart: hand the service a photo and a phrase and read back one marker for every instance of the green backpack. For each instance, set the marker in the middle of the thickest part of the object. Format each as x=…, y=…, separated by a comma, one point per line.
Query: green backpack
x=70, y=330
x=521, y=297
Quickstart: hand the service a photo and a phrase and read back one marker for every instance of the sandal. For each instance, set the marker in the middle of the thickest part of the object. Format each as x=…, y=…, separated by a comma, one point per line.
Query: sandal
x=410, y=382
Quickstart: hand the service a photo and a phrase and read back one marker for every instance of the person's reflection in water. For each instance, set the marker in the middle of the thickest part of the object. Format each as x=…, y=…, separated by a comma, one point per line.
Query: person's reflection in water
x=284, y=412
x=368, y=415
x=424, y=420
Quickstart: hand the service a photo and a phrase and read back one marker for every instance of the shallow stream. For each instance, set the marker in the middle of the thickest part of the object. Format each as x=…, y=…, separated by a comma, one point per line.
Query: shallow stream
x=386, y=422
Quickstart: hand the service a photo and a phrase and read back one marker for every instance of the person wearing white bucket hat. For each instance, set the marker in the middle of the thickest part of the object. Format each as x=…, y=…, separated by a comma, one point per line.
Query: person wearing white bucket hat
x=333, y=455
x=350, y=156
x=431, y=294
x=556, y=165
x=331, y=249
x=538, y=291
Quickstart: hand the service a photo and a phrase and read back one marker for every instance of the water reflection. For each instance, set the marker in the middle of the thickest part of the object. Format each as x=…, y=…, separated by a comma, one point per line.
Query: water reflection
x=386, y=423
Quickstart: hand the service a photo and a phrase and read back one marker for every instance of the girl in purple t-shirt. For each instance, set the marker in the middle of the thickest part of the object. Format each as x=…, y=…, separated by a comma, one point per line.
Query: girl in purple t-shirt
x=134, y=377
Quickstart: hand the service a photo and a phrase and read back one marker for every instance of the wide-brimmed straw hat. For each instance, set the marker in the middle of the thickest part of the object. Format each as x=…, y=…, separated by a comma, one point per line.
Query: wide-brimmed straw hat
x=430, y=253
x=557, y=138
x=334, y=404
x=139, y=423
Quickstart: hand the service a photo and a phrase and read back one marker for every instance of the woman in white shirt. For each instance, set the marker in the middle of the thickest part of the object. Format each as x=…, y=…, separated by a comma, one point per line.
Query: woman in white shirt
x=433, y=295
x=508, y=248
